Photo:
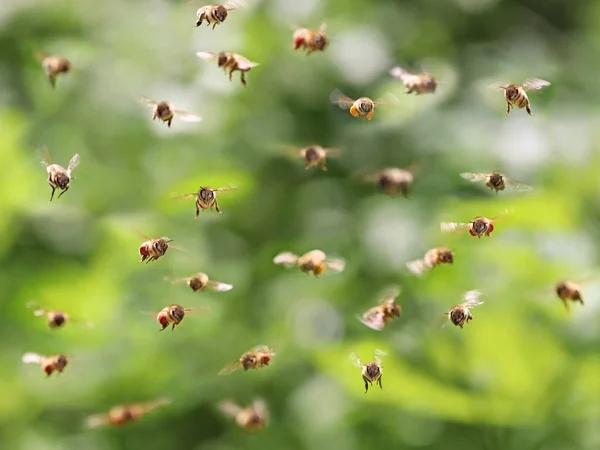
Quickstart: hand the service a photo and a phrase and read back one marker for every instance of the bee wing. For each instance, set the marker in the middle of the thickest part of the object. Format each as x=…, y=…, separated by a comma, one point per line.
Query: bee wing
x=471, y=299
x=391, y=293
x=474, y=177
x=337, y=97
x=231, y=367
x=379, y=355
x=323, y=26
x=38, y=311
x=399, y=72
x=260, y=407
x=97, y=420
x=286, y=258
x=234, y=4
x=209, y=56
x=448, y=227
x=46, y=160
x=178, y=280
x=335, y=264
x=194, y=195
x=418, y=267
x=502, y=214
x=152, y=405
x=262, y=349
x=244, y=63
x=535, y=84
x=517, y=185
x=32, y=358
x=223, y=189
x=217, y=286
x=148, y=101
x=372, y=319
x=499, y=86
x=229, y=408
x=387, y=99
x=81, y=323
x=355, y=359
x=73, y=163
x=333, y=152
x=187, y=117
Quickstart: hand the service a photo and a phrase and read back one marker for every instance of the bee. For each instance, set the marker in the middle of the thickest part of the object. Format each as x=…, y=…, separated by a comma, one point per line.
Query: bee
x=257, y=357
x=215, y=14
x=433, y=257
x=58, y=176
x=461, y=314
x=200, y=281
x=314, y=261
x=496, y=181
x=231, y=62
x=56, y=319
x=206, y=198
x=49, y=364
x=172, y=315
x=250, y=418
x=391, y=180
x=314, y=155
x=122, y=414
x=371, y=372
x=152, y=249
x=478, y=226
x=570, y=290
x=362, y=108
x=165, y=111
x=311, y=40
x=420, y=84
x=54, y=66
x=378, y=316
x=516, y=95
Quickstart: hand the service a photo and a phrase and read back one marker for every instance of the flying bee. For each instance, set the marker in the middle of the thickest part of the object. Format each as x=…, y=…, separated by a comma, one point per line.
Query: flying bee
x=54, y=66
x=479, y=226
x=433, y=257
x=56, y=319
x=58, y=176
x=165, y=111
x=461, y=314
x=119, y=415
x=362, y=108
x=173, y=315
x=496, y=181
x=516, y=95
x=314, y=261
x=49, y=364
x=371, y=372
x=250, y=418
x=391, y=180
x=311, y=40
x=314, y=155
x=216, y=14
x=257, y=357
x=378, y=316
x=420, y=84
x=152, y=249
x=206, y=198
x=200, y=282
x=231, y=62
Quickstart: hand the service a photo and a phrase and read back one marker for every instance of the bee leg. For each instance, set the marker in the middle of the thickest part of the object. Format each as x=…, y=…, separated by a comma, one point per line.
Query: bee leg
x=214, y=25
x=173, y=327
x=53, y=189
x=243, y=78
x=169, y=122
x=323, y=166
x=379, y=382
x=231, y=73
x=217, y=206
x=52, y=79
x=507, y=107
x=153, y=116
x=197, y=212
x=366, y=385
x=528, y=109
x=63, y=192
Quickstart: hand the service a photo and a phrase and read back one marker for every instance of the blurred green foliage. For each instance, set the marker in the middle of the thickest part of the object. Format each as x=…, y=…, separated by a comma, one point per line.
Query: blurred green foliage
x=524, y=374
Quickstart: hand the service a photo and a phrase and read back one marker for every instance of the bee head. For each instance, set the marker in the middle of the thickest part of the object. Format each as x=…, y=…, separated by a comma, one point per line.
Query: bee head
x=446, y=256
x=195, y=284
x=394, y=309
x=496, y=180
x=248, y=362
x=61, y=361
x=206, y=194
x=62, y=180
x=320, y=40
x=220, y=13
x=366, y=105
x=177, y=313
x=63, y=65
x=56, y=319
x=311, y=153
x=562, y=289
x=479, y=226
x=429, y=83
x=223, y=58
x=458, y=316
x=511, y=92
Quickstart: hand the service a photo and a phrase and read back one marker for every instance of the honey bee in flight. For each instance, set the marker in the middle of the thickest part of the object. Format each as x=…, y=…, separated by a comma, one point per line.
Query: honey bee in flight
x=152, y=249
x=54, y=66
x=49, y=364
x=172, y=315
x=58, y=176
x=165, y=111
x=250, y=418
x=200, y=282
x=122, y=414
x=371, y=372
x=206, y=198
x=461, y=314
x=433, y=257
x=516, y=95
x=479, y=226
x=311, y=40
x=378, y=316
x=568, y=290
x=55, y=319
x=496, y=181
x=314, y=261
x=362, y=108
x=420, y=84
x=216, y=14
x=391, y=180
x=315, y=155
x=259, y=356
x=231, y=62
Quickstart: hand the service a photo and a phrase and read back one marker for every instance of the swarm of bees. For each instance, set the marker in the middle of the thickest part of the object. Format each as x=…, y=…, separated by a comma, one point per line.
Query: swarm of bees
x=390, y=180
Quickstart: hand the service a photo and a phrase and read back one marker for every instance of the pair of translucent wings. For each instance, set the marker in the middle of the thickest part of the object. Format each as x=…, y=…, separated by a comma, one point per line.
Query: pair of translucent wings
x=529, y=84
x=377, y=356
x=195, y=194
x=337, y=97
x=185, y=116
x=229, y=4
x=216, y=286
x=136, y=410
x=232, y=409
x=243, y=63
x=510, y=183
x=33, y=358
x=448, y=227
x=295, y=150
x=471, y=299
x=38, y=311
x=374, y=317
x=235, y=365
x=47, y=160
x=289, y=259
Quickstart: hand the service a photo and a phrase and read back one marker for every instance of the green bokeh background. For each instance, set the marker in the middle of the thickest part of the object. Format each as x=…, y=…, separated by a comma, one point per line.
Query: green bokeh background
x=523, y=375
